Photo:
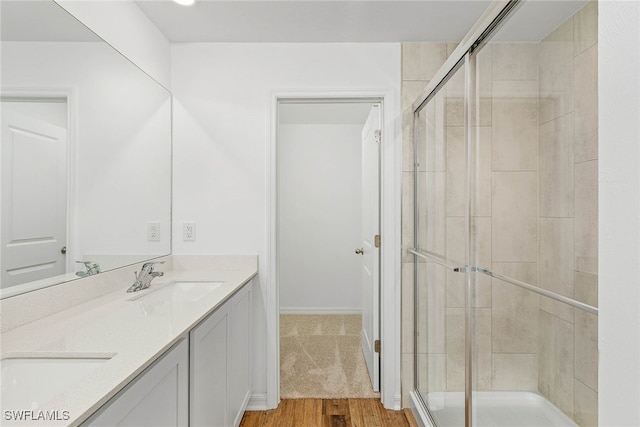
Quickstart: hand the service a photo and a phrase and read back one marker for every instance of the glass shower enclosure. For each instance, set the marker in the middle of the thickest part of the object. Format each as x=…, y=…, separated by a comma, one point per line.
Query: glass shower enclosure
x=505, y=224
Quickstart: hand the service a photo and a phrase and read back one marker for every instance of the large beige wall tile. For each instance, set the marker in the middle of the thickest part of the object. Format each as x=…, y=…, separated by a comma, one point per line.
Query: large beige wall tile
x=585, y=27
x=481, y=251
x=431, y=307
x=585, y=69
x=514, y=127
x=481, y=175
x=423, y=194
x=586, y=288
x=406, y=379
x=586, y=217
x=407, y=308
x=515, y=61
x=455, y=349
x=456, y=255
x=431, y=151
x=407, y=215
x=555, y=73
x=514, y=228
x=431, y=224
x=453, y=91
x=555, y=361
x=514, y=310
x=407, y=141
x=514, y=372
x=456, y=158
x=484, y=73
x=555, y=176
x=586, y=348
x=482, y=369
x=585, y=405
x=420, y=61
x=410, y=91
x=431, y=373
x=555, y=263
x=437, y=372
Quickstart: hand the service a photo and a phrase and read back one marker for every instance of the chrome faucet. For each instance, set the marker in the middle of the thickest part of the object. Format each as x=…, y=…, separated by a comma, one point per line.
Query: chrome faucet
x=92, y=268
x=143, y=280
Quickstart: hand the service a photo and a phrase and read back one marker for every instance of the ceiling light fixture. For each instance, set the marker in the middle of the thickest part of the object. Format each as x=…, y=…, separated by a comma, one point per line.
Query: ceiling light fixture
x=185, y=2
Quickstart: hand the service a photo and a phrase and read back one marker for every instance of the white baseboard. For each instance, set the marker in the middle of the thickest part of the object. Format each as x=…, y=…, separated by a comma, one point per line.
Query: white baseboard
x=320, y=310
x=257, y=402
x=397, y=402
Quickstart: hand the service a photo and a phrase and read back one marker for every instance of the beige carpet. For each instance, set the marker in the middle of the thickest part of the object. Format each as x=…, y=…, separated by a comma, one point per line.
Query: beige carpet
x=320, y=357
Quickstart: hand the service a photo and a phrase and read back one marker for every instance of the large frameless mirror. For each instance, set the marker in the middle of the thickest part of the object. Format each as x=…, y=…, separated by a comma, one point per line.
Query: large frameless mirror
x=85, y=153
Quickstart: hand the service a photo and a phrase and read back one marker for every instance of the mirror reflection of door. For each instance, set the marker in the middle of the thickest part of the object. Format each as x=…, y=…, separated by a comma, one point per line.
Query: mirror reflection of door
x=33, y=215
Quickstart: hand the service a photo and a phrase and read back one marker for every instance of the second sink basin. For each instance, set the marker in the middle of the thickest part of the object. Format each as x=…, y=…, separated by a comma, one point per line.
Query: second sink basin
x=28, y=383
x=180, y=291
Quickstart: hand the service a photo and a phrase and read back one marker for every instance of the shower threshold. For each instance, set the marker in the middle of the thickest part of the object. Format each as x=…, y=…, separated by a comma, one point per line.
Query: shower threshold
x=497, y=409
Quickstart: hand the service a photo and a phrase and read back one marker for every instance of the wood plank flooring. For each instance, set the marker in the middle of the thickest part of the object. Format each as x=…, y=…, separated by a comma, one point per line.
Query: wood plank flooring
x=328, y=413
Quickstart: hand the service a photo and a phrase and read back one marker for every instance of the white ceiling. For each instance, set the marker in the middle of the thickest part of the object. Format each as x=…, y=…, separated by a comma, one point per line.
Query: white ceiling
x=297, y=20
x=41, y=21
x=314, y=20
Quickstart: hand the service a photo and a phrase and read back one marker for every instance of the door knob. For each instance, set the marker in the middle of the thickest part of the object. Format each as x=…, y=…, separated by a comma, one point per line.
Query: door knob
x=360, y=251
x=63, y=251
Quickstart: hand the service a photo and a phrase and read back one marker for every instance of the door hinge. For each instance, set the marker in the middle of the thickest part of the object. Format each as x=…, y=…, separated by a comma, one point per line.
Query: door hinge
x=378, y=135
x=376, y=346
x=376, y=241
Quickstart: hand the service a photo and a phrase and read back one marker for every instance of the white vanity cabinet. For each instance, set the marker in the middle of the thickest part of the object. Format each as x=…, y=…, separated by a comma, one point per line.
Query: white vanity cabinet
x=220, y=365
x=157, y=397
x=203, y=381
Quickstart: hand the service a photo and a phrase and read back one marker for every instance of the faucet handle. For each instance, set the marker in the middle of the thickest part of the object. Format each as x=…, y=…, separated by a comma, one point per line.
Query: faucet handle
x=151, y=264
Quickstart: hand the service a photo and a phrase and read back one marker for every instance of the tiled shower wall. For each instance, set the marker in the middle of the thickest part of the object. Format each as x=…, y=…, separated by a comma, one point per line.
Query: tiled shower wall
x=568, y=214
x=535, y=214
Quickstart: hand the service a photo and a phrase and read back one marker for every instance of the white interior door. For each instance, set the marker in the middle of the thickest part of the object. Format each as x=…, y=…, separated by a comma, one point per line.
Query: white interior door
x=370, y=251
x=34, y=198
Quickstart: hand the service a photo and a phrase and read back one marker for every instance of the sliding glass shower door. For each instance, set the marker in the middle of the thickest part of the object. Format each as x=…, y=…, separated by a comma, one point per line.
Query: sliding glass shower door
x=441, y=248
x=505, y=226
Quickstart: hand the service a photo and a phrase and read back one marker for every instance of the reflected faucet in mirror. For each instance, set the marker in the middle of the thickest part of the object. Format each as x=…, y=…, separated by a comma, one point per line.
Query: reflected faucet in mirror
x=92, y=268
x=146, y=275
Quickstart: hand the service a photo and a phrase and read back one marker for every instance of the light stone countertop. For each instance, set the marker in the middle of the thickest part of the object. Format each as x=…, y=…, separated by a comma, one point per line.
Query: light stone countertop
x=133, y=333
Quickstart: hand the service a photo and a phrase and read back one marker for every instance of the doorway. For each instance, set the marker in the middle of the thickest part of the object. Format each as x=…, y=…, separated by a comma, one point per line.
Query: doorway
x=34, y=218
x=327, y=161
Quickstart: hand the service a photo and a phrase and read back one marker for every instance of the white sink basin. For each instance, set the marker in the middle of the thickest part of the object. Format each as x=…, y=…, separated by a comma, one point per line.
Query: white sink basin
x=29, y=383
x=180, y=291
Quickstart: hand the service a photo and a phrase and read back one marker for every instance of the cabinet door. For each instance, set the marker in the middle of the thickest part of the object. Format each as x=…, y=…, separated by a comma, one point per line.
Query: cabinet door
x=208, y=378
x=239, y=354
x=157, y=397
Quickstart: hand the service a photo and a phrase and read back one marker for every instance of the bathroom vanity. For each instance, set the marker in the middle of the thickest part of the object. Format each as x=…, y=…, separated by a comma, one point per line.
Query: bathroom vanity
x=175, y=354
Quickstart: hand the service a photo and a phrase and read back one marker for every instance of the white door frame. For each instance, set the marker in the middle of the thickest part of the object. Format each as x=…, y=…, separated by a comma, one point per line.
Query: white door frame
x=70, y=94
x=390, y=230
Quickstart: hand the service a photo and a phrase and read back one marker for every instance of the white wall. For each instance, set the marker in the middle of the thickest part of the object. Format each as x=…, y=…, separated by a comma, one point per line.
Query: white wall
x=222, y=100
x=123, y=25
x=619, y=214
x=319, y=217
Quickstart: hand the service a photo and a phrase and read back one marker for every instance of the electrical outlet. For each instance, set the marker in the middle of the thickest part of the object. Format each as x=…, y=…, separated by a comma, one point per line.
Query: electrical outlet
x=189, y=231
x=153, y=231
